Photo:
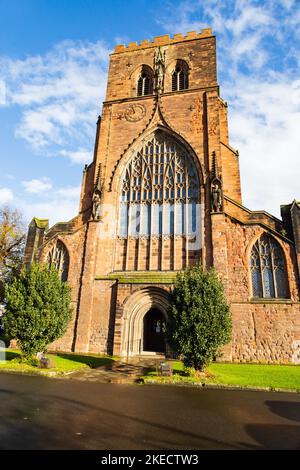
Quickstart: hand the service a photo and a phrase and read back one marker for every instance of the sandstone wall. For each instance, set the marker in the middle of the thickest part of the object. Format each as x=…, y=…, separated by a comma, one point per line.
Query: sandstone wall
x=264, y=330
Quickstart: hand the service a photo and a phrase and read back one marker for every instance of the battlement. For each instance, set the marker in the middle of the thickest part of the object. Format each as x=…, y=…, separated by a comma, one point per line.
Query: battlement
x=163, y=41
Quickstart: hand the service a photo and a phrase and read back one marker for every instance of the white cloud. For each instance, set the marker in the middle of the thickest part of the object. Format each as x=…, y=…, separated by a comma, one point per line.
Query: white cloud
x=56, y=210
x=263, y=120
x=249, y=17
x=70, y=192
x=287, y=3
x=2, y=93
x=77, y=156
x=59, y=95
x=57, y=204
x=36, y=186
x=6, y=195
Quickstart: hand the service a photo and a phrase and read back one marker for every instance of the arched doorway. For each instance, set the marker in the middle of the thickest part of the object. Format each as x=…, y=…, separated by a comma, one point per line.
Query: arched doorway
x=144, y=313
x=153, y=334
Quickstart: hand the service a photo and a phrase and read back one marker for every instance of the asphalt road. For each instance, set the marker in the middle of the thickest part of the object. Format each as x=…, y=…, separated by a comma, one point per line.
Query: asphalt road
x=41, y=413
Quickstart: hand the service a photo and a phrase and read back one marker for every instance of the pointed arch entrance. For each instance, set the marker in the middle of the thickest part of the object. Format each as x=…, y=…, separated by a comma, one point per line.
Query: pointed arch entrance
x=145, y=312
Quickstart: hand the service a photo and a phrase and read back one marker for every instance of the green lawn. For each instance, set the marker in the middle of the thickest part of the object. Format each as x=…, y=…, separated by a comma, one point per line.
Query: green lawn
x=64, y=363
x=244, y=375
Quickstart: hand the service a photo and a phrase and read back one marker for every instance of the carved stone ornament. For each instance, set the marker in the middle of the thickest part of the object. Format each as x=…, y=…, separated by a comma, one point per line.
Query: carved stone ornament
x=216, y=195
x=97, y=196
x=135, y=112
x=96, y=205
x=159, y=70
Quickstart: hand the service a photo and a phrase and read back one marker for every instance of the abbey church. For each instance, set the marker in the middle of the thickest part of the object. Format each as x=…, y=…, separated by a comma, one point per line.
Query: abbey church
x=162, y=193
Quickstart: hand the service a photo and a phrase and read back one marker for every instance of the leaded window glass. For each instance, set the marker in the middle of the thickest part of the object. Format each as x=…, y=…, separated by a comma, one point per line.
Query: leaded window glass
x=159, y=191
x=59, y=258
x=145, y=83
x=268, y=271
x=180, y=77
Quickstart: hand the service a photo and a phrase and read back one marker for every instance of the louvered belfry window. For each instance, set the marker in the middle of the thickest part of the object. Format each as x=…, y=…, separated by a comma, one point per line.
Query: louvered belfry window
x=160, y=191
x=268, y=271
x=59, y=258
x=180, y=77
x=145, y=83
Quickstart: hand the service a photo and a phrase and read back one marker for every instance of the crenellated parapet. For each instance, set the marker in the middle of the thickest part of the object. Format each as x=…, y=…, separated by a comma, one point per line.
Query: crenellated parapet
x=164, y=40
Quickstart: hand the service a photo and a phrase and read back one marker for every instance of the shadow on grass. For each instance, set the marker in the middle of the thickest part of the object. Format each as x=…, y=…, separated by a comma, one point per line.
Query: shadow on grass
x=10, y=355
x=91, y=361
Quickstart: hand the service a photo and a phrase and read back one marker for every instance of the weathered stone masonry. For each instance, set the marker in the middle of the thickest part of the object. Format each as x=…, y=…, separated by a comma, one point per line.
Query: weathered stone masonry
x=163, y=117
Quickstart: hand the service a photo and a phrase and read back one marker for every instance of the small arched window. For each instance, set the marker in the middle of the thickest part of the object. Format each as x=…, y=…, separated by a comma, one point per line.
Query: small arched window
x=180, y=76
x=268, y=272
x=59, y=258
x=145, y=82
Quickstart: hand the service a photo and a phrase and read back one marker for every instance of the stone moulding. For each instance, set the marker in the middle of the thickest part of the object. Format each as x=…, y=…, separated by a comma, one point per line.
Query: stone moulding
x=273, y=301
x=252, y=212
x=41, y=223
x=255, y=222
x=143, y=277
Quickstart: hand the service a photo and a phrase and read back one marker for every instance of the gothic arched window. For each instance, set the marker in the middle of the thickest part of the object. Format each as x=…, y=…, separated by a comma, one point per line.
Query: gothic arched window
x=268, y=271
x=59, y=258
x=160, y=191
x=180, y=76
x=145, y=82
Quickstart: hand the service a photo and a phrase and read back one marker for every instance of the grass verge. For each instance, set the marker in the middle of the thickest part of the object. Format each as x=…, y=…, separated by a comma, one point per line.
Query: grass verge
x=240, y=375
x=63, y=363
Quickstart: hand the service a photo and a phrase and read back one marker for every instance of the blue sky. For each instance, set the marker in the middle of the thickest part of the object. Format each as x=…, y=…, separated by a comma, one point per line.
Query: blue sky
x=53, y=63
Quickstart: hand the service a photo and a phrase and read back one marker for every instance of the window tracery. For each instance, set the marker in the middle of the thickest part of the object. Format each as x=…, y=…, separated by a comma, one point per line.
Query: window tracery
x=180, y=76
x=145, y=82
x=159, y=191
x=59, y=258
x=268, y=271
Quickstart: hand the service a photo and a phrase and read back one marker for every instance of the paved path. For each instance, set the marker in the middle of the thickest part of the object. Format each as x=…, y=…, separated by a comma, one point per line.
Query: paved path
x=42, y=413
x=117, y=372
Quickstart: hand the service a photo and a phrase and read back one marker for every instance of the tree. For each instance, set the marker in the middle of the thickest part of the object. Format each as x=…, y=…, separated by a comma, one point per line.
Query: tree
x=37, y=306
x=12, y=244
x=199, y=320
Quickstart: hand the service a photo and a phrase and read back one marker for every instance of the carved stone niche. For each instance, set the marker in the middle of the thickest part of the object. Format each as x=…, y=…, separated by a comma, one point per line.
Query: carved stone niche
x=159, y=70
x=96, y=209
x=96, y=205
x=216, y=195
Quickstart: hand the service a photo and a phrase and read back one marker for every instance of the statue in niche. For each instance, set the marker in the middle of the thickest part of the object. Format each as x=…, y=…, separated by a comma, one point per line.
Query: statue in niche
x=216, y=196
x=159, y=70
x=97, y=196
x=96, y=205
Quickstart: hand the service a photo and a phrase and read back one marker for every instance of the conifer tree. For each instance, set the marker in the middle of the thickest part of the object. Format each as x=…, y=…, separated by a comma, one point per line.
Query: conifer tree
x=37, y=308
x=199, y=320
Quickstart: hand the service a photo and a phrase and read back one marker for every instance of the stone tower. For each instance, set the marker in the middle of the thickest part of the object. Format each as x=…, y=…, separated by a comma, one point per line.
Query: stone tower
x=162, y=193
